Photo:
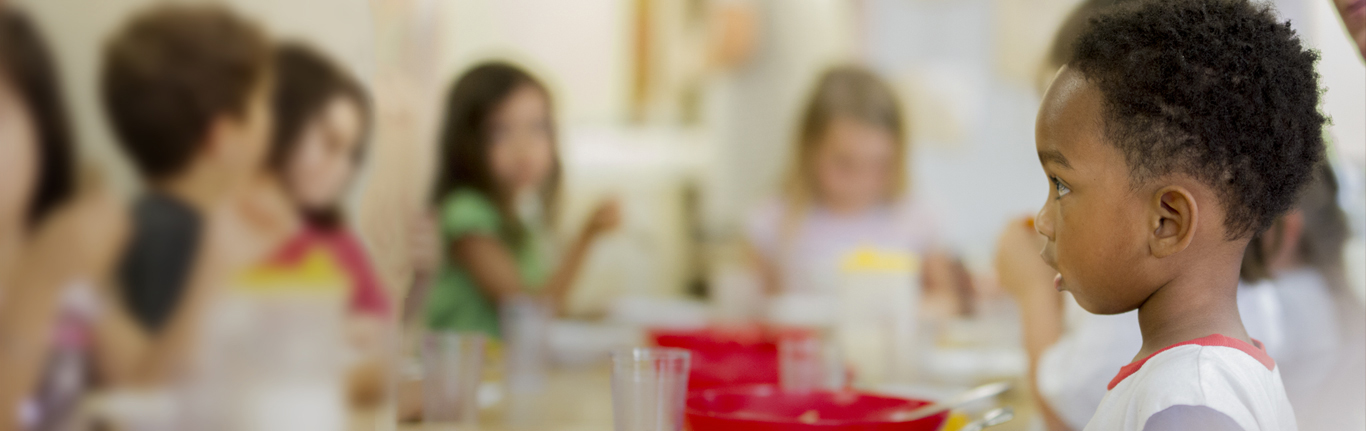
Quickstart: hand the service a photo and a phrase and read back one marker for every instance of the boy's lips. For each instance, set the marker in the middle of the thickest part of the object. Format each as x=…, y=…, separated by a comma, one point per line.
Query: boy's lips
x=1048, y=259
x=1052, y=263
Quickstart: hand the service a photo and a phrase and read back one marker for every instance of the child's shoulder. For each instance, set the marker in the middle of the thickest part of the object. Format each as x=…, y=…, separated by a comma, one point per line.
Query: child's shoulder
x=465, y=197
x=467, y=210
x=1203, y=361
x=1223, y=373
x=464, y=202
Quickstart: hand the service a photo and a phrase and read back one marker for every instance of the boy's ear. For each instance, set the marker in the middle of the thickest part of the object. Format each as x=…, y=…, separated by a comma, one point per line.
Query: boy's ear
x=1173, y=221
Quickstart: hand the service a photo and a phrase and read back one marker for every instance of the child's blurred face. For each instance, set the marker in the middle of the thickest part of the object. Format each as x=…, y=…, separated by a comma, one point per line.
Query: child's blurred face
x=853, y=164
x=18, y=157
x=1093, y=219
x=521, y=148
x=324, y=157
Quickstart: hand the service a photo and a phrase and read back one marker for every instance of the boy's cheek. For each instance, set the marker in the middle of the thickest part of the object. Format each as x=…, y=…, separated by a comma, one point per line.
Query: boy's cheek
x=1112, y=277
x=1087, y=263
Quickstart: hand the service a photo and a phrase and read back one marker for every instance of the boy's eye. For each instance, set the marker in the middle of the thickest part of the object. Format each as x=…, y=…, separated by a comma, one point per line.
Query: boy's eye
x=1059, y=186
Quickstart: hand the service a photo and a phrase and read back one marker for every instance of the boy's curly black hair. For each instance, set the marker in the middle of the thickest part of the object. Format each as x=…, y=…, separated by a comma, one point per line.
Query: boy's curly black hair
x=1219, y=90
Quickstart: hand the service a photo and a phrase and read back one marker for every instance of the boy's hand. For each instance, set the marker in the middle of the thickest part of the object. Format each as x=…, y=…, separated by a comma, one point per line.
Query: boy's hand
x=1018, y=266
x=606, y=217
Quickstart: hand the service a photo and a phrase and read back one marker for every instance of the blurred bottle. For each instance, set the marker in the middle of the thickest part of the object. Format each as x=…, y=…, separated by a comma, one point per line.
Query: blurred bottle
x=879, y=299
x=273, y=355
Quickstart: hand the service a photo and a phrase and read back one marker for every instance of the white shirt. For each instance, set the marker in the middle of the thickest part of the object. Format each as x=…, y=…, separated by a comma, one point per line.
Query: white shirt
x=1316, y=340
x=1222, y=374
x=807, y=253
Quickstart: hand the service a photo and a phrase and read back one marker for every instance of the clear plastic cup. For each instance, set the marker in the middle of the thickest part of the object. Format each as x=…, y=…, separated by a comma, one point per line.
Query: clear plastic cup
x=452, y=367
x=806, y=363
x=526, y=324
x=649, y=388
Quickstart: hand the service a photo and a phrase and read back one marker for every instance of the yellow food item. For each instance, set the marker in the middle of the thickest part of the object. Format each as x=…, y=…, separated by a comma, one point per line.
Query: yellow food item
x=955, y=422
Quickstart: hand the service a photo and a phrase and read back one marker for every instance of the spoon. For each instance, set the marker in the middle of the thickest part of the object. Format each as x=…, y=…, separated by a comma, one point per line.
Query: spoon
x=991, y=418
x=974, y=394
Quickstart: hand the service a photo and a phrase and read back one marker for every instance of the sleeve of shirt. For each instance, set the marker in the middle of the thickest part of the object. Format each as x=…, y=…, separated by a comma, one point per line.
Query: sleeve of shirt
x=1191, y=418
x=468, y=213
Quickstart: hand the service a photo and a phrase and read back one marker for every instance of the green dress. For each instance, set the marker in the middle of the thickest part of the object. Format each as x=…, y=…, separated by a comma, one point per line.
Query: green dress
x=456, y=303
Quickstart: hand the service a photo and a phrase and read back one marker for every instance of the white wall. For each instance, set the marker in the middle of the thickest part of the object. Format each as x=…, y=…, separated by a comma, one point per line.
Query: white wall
x=580, y=48
x=76, y=31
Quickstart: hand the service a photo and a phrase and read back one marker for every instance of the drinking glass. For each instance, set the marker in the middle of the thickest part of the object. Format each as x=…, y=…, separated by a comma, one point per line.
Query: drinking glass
x=649, y=388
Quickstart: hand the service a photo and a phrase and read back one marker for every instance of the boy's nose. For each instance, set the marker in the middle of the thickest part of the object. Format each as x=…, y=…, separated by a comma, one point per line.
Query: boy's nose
x=1043, y=222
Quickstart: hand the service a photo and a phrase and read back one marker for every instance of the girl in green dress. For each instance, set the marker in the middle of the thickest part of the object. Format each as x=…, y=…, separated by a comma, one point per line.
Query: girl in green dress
x=496, y=188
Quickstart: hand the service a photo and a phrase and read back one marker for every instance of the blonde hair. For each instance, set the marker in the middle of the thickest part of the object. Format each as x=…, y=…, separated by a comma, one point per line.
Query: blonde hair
x=844, y=92
x=850, y=92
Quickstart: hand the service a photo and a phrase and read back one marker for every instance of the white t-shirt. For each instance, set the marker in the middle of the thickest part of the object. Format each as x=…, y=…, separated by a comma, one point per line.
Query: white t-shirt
x=1316, y=340
x=1216, y=372
x=807, y=253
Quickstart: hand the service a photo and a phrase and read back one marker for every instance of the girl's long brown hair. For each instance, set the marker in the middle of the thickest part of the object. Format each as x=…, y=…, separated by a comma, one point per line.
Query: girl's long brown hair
x=305, y=82
x=464, y=155
x=25, y=63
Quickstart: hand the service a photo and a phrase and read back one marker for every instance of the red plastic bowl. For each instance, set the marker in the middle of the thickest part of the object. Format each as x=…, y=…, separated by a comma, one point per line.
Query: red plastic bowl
x=766, y=408
x=741, y=355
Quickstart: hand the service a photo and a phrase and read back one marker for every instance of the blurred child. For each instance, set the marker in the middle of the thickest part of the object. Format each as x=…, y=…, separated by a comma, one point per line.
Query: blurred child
x=187, y=91
x=1314, y=326
x=36, y=177
x=846, y=189
x=497, y=182
x=1070, y=366
x=1166, y=155
x=59, y=334
x=322, y=123
x=1353, y=14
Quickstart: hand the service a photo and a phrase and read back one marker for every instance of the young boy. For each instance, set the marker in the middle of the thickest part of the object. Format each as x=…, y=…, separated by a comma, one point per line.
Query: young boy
x=186, y=89
x=1178, y=130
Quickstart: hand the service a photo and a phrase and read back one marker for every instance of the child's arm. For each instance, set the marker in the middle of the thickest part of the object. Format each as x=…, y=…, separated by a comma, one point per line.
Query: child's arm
x=605, y=218
x=1025, y=276
x=494, y=268
x=947, y=285
x=119, y=343
x=78, y=243
x=490, y=264
x=768, y=272
x=28, y=312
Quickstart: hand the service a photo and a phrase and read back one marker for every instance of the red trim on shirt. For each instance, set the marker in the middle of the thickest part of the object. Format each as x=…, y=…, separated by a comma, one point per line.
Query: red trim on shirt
x=1255, y=350
x=368, y=297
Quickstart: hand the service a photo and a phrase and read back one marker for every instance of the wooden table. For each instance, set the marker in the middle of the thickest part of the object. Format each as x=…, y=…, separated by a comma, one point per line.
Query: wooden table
x=576, y=399
x=581, y=400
